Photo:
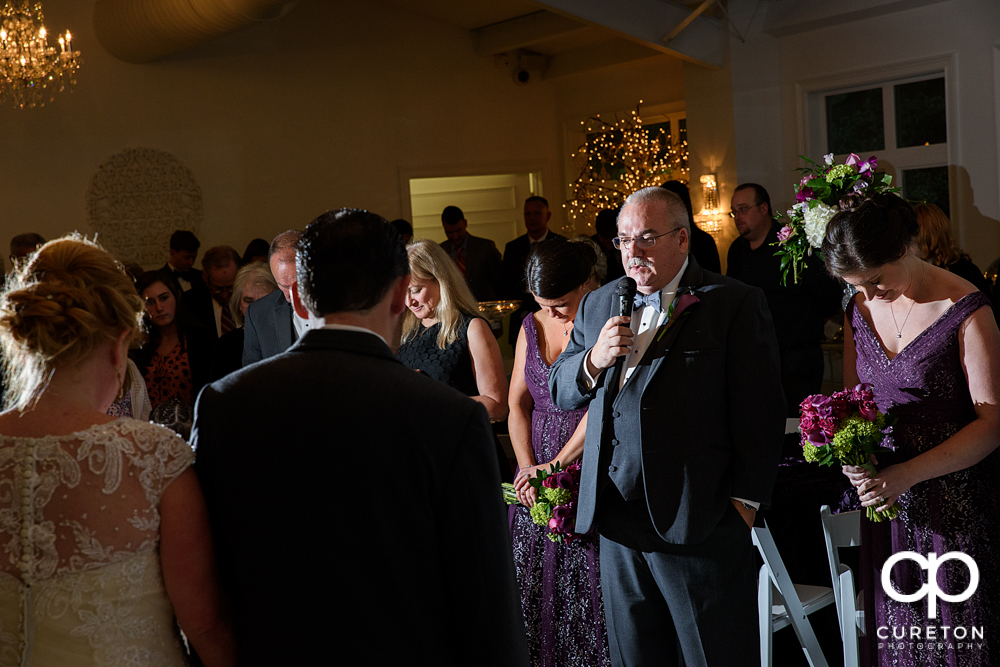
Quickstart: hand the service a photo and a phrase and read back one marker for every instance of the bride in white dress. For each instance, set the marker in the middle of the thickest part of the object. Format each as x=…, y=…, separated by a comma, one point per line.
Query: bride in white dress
x=104, y=537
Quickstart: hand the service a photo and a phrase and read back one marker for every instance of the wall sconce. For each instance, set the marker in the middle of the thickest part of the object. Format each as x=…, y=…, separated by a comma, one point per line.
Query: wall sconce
x=710, y=217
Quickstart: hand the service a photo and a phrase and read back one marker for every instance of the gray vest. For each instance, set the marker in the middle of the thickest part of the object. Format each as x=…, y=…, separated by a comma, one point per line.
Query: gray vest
x=622, y=434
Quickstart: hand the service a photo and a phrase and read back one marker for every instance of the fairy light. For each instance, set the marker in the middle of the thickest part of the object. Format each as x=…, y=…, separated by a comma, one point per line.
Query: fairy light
x=618, y=158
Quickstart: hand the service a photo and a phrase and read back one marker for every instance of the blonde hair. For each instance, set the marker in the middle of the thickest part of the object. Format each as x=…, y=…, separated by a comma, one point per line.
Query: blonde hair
x=934, y=239
x=66, y=300
x=254, y=274
x=429, y=262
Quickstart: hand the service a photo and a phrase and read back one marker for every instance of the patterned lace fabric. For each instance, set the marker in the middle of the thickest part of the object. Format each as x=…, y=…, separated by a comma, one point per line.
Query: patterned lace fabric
x=925, y=386
x=80, y=578
x=560, y=583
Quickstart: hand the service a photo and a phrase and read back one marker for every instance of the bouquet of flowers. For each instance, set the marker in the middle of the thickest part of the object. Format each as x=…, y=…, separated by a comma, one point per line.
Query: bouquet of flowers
x=846, y=427
x=555, y=508
x=817, y=196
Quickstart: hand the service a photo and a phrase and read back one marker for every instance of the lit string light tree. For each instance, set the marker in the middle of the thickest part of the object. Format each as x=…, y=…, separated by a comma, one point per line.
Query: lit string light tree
x=31, y=71
x=621, y=157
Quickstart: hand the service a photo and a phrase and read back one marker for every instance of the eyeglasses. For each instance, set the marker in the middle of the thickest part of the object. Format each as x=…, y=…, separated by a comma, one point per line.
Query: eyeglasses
x=220, y=291
x=742, y=210
x=643, y=242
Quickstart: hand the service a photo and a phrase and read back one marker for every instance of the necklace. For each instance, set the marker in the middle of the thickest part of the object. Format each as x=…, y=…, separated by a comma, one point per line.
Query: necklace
x=565, y=329
x=899, y=329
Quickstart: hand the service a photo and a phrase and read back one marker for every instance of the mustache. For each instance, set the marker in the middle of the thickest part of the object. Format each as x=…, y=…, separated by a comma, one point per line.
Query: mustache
x=639, y=261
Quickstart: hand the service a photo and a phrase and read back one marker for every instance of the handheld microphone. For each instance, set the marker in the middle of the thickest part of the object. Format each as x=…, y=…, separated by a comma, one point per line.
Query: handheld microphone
x=624, y=297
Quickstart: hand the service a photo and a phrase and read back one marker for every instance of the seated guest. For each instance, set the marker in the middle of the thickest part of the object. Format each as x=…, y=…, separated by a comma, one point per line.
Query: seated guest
x=703, y=246
x=209, y=303
x=445, y=338
x=183, y=252
x=23, y=245
x=119, y=549
x=430, y=522
x=253, y=282
x=478, y=259
x=177, y=355
x=404, y=228
x=256, y=252
x=937, y=246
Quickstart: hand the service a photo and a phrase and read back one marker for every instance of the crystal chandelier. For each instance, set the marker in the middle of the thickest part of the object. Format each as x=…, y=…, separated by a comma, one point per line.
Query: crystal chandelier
x=32, y=72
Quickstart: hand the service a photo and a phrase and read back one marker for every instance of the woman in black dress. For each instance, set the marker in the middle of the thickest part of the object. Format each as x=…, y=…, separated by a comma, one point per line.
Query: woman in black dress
x=444, y=336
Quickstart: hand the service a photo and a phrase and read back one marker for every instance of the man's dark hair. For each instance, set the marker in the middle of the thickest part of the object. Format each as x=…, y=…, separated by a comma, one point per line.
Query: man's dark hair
x=220, y=257
x=759, y=193
x=184, y=241
x=30, y=240
x=256, y=248
x=681, y=191
x=347, y=260
x=537, y=198
x=452, y=215
x=607, y=223
x=403, y=227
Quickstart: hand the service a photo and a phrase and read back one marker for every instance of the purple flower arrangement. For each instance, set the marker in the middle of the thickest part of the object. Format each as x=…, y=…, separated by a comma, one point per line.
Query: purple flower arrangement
x=845, y=427
x=817, y=199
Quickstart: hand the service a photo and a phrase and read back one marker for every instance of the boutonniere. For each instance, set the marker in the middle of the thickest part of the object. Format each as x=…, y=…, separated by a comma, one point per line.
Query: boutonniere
x=683, y=300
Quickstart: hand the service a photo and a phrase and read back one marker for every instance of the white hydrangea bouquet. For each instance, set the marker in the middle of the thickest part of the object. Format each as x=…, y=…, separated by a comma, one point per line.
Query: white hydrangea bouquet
x=817, y=197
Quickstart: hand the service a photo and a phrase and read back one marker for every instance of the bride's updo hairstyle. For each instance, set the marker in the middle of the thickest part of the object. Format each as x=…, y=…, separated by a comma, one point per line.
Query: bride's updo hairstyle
x=868, y=233
x=556, y=267
x=69, y=298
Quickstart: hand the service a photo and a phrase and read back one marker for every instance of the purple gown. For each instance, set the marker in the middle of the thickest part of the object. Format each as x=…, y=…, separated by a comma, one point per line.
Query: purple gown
x=560, y=583
x=925, y=387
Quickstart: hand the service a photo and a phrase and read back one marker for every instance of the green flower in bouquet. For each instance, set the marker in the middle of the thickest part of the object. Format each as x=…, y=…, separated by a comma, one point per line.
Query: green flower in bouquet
x=558, y=496
x=541, y=512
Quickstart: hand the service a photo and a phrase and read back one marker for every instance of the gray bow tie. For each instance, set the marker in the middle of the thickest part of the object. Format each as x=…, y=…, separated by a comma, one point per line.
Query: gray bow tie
x=652, y=300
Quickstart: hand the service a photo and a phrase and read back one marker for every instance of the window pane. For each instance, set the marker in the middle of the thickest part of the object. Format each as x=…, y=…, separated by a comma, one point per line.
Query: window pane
x=930, y=185
x=854, y=122
x=920, y=113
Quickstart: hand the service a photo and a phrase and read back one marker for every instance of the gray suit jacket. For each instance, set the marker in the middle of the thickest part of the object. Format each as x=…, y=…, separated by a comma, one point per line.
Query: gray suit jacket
x=415, y=522
x=268, y=328
x=709, y=416
x=482, y=267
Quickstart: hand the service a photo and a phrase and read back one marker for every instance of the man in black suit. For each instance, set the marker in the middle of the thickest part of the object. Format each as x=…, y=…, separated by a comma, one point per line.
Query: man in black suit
x=683, y=441
x=183, y=252
x=270, y=326
x=405, y=557
x=209, y=302
x=478, y=259
x=515, y=257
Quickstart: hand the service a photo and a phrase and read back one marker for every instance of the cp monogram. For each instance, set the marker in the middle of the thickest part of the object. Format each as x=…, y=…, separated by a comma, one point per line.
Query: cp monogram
x=930, y=589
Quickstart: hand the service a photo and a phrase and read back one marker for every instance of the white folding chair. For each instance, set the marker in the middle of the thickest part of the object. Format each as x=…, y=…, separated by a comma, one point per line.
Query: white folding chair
x=844, y=530
x=781, y=603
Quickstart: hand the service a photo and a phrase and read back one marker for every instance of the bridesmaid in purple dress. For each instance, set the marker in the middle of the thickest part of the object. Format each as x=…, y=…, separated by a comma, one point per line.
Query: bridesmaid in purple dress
x=927, y=341
x=560, y=583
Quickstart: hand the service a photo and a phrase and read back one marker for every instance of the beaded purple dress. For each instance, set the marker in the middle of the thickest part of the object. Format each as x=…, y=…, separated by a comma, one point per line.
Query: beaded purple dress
x=925, y=387
x=560, y=583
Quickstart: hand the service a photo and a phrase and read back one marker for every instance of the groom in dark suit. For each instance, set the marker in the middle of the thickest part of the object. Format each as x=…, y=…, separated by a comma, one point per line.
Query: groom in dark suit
x=355, y=504
x=684, y=435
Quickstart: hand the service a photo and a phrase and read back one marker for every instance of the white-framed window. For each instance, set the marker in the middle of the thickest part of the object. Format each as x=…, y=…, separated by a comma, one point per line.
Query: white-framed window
x=903, y=115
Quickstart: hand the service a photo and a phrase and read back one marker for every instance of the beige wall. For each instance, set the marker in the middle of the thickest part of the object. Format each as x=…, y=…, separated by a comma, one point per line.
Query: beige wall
x=335, y=104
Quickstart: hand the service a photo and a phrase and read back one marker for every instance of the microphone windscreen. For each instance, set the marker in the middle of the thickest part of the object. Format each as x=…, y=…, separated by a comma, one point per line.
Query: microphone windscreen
x=624, y=297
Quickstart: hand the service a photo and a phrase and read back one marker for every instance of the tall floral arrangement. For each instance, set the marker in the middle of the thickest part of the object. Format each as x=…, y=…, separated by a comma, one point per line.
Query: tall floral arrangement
x=817, y=197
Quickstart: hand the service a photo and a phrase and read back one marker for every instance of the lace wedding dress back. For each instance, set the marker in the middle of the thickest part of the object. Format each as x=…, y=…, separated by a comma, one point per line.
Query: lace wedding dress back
x=80, y=578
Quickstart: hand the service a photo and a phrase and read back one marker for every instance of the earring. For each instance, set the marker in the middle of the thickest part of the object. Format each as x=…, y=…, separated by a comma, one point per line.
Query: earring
x=123, y=374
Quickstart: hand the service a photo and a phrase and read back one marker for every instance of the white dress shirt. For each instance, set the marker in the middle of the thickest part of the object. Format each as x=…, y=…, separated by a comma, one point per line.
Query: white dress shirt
x=348, y=327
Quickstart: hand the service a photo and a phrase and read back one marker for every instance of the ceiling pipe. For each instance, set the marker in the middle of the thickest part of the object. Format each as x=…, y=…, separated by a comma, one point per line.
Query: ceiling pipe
x=141, y=31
